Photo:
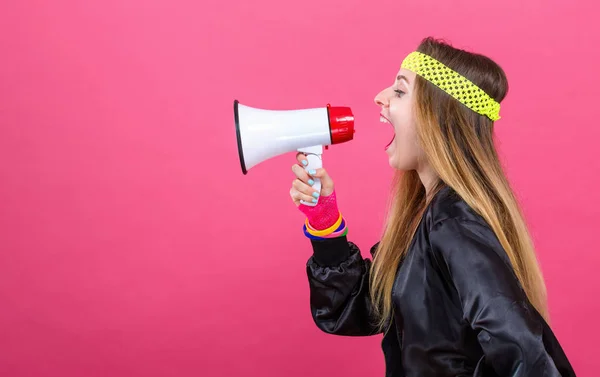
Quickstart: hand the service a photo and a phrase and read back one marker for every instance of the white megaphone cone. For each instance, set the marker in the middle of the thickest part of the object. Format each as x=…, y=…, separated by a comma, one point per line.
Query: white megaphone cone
x=263, y=134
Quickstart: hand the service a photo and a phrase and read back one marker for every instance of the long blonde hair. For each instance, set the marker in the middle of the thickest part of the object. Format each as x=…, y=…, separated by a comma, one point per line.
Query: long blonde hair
x=459, y=146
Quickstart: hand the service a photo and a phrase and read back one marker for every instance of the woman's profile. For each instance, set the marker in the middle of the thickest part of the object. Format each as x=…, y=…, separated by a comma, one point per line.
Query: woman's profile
x=453, y=284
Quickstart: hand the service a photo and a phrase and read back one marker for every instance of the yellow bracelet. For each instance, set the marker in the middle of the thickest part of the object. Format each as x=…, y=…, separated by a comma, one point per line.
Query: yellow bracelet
x=324, y=232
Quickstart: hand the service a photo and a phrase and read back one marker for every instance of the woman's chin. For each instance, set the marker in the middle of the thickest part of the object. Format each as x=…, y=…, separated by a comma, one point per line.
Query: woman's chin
x=391, y=155
x=393, y=159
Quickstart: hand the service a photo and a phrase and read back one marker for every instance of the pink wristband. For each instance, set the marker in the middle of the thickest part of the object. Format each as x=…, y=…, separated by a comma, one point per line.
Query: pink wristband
x=324, y=214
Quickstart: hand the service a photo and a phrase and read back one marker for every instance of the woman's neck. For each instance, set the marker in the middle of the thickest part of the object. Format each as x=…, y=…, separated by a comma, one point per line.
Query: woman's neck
x=428, y=177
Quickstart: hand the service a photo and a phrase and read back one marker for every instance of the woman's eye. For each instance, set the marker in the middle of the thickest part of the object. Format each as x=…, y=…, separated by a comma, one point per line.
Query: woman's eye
x=399, y=93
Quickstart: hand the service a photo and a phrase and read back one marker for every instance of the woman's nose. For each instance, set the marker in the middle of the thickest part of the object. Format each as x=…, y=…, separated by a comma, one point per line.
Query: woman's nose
x=381, y=99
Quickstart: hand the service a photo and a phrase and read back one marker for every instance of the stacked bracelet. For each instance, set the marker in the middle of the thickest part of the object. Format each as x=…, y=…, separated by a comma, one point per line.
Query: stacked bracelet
x=338, y=229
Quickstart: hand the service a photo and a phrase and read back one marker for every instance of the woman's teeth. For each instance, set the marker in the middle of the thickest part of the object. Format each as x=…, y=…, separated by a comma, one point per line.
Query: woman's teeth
x=382, y=119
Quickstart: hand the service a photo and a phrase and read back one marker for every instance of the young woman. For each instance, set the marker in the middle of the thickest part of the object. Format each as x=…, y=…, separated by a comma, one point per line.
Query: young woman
x=454, y=284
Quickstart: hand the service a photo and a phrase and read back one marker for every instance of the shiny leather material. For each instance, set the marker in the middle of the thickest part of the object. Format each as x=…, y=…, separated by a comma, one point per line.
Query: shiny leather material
x=458, y=307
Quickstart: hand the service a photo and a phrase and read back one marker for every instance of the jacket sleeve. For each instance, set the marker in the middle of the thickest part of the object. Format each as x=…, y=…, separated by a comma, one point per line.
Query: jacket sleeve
x=515, y=339
x=338, y=278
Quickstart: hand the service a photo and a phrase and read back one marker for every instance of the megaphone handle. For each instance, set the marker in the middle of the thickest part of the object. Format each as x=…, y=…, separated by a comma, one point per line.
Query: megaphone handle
x=314, y=162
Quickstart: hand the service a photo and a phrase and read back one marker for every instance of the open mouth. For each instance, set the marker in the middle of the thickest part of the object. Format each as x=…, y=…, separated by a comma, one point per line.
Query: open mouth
x=383, y=119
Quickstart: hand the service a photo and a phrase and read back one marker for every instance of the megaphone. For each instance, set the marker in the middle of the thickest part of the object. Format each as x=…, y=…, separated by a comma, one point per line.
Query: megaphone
x=263, y=134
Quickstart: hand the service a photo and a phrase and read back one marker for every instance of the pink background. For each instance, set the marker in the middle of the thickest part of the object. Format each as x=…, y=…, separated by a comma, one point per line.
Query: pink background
x=130, y=243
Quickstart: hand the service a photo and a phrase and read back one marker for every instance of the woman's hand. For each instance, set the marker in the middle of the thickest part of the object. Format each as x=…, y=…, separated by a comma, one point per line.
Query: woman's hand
x=302, y=185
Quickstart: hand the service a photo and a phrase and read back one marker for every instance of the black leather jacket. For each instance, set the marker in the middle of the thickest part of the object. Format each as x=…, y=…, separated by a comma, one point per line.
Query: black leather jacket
x=458, y=307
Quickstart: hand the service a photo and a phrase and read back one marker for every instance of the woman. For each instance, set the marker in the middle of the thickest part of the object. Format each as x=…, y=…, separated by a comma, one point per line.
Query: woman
x=454, y=283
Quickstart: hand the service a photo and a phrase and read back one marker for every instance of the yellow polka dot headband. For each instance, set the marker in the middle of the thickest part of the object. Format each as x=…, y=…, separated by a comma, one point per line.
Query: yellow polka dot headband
x=452, y=83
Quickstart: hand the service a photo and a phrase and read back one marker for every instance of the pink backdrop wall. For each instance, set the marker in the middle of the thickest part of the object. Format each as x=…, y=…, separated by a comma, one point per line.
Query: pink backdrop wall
x=130, y=244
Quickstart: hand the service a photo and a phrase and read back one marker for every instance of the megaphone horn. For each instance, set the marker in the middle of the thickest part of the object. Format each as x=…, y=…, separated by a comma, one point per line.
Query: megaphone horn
x=263, y=134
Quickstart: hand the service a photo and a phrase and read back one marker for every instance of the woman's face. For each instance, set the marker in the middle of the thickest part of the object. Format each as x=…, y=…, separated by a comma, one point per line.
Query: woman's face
x=396, y=104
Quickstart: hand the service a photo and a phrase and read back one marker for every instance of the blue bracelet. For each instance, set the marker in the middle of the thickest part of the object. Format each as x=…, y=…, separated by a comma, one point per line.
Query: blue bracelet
x=310, y=236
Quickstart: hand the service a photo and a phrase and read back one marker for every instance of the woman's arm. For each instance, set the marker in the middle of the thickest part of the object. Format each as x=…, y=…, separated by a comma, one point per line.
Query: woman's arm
x=338, y=277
